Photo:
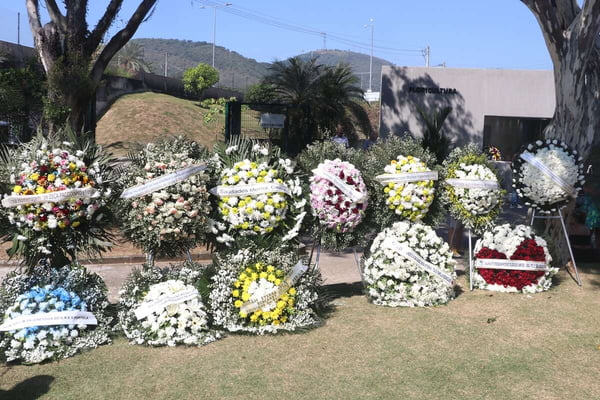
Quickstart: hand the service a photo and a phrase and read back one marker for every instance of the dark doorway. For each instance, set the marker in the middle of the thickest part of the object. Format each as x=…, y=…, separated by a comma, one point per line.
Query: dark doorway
x=509, y=134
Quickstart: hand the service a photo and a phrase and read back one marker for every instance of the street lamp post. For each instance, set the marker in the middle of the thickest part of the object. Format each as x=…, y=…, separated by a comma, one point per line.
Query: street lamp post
x=372, y=25
x=215, y=27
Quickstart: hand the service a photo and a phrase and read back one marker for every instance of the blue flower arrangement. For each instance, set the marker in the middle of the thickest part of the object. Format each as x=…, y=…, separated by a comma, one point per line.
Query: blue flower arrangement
x=67, y=291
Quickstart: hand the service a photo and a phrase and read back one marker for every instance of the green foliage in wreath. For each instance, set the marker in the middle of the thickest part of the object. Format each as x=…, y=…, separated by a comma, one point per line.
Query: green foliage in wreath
x=57, y=230
x=267, y=219
x=379, y=214
x=477, y=209
x=171, y=220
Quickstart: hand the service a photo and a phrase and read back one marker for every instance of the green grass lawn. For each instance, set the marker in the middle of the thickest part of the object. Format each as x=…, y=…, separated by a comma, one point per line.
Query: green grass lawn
x=482, y=345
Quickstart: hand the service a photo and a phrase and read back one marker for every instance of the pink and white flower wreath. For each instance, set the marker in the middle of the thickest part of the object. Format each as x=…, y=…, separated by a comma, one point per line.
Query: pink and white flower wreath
x=334, y=209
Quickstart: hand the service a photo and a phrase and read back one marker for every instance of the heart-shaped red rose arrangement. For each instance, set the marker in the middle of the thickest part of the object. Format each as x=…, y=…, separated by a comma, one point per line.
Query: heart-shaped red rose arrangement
x=528, y=250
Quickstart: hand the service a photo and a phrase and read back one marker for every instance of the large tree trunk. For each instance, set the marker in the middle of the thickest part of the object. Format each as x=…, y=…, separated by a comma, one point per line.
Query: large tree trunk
x=577, y=114
x=572, y=35
x=67, y=51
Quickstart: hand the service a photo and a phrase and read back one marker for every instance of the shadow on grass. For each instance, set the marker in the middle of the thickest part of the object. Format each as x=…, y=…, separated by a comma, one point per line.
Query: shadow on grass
x=340, y=290
x=31, y=388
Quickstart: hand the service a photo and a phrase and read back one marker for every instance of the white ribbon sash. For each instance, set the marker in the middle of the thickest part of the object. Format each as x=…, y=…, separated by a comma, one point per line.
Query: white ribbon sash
x=49, y=318
x=274, y=295
x=407, y=177
x=161, y=182
x=564, y=185
x=249, y=190
x=522, y=265
x=163, y=301
x=52, y=197
x=348, y=190
x=473, y=184
x=407, y=252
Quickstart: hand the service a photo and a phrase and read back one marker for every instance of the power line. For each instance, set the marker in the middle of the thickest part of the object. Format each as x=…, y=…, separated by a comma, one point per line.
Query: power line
x=277, y=22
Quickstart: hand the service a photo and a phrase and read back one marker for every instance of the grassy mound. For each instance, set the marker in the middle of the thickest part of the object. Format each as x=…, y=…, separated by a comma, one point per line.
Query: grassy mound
x=144, y=117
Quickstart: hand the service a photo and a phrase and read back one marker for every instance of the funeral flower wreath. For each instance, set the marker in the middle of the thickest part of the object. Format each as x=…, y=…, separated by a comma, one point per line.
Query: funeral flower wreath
x=512, y=259
x=71, y=297
x=164, y=306
x=338, y=195
x=165, y=206
x=471, y=188
x=263, y=291
x=409, y=265
x=59, y=200
x=548, y=175
x=402, y=180
x=258, y=196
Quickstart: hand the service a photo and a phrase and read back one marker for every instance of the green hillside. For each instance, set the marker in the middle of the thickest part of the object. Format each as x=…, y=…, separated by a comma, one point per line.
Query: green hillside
x=236, y=71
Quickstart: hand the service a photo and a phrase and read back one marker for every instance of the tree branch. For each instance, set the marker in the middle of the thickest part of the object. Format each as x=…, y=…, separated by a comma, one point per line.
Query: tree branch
x=33, y=12
x=55, y=15
x=35, y=24
x=555, y=18
x=589, y=27
x=121, y=38
x=76, y=22
x=105, y=22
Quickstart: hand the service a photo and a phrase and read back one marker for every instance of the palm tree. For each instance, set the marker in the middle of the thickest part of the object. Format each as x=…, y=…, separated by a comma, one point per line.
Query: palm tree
x=131, y=58
x=433, y=137
x=342, y=100
x=321, y=97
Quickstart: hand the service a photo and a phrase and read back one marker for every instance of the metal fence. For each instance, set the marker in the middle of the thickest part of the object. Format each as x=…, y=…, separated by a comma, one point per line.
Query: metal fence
x=264, y=122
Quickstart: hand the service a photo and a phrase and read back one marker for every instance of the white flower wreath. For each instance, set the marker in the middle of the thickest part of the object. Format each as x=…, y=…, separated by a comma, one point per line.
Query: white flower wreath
x=165, y=206
x=258, y=196
x=471, y=188
x=548, y=175
x=409, y=265
x=164, y=307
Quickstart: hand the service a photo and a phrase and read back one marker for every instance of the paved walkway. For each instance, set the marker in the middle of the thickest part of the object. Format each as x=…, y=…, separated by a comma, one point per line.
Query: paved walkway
x=336, y=268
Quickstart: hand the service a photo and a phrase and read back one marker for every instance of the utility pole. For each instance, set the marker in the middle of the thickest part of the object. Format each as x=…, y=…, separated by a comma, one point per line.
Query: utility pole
x=215, y=26
x=166, y=63
x=427, y=54
x=324, y=34
x=19, y=28
x=372, y=25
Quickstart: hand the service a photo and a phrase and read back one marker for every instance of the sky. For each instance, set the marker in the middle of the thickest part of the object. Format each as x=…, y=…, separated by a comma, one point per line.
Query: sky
x=460, y=33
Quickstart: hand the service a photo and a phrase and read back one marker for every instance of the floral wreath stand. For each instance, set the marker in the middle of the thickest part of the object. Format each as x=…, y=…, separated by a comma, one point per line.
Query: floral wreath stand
x=150, y=258
x=471, y=184
x=470, y=260
x=570, y=189
x=317, y=246
x=565, y=234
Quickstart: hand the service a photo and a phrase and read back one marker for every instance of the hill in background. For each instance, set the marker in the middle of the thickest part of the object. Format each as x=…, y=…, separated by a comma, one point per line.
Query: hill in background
x=237, y=71
x=359, y=63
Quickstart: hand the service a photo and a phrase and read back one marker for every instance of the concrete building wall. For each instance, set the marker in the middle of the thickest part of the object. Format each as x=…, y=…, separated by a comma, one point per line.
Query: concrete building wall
x=472, y=94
